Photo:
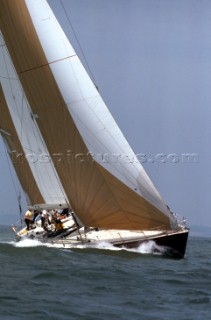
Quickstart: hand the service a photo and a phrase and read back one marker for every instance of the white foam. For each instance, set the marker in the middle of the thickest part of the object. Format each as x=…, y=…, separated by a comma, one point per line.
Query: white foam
x=106, y=246
x=26, y=243
x=99, y=245
x=150, y=247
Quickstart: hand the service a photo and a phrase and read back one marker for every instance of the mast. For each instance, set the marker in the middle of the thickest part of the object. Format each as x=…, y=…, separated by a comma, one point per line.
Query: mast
x=76, y=125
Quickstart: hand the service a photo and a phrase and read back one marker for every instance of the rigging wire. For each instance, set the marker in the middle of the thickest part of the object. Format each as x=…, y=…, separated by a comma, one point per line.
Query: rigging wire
x=81, y=49
x=45, y=147
x=17, y=192
x=16, y=189
x=11, y=88
x=20, y=209
x=21, y=117
x=3, y=45
x=33, y=118
x=43, y=143
x=8, y=78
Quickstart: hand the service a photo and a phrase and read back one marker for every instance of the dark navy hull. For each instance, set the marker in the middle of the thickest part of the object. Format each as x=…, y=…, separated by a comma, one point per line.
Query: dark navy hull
x=174, y=243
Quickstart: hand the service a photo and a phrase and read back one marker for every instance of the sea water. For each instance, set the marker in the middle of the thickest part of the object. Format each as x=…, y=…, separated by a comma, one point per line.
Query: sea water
x=41, y=282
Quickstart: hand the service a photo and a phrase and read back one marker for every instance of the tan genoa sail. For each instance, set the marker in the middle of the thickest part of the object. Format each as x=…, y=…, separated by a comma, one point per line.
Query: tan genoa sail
x=77, y=127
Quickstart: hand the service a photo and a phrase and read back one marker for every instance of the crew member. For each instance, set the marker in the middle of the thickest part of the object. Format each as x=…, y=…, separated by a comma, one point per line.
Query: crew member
x=28, y=219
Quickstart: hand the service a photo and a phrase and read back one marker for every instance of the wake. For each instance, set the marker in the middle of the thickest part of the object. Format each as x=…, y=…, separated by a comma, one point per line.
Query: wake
x=149, y=247
x=28, y=243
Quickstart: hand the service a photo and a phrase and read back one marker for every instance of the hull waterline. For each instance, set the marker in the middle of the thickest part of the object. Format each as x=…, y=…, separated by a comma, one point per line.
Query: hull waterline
x=174, y=243
x=170, y=243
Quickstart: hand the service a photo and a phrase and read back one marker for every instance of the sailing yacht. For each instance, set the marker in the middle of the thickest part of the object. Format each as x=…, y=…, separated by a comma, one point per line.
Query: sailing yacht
x=51, y=107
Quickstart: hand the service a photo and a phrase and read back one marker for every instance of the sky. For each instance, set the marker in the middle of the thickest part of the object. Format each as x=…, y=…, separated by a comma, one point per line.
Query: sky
x=151, y=61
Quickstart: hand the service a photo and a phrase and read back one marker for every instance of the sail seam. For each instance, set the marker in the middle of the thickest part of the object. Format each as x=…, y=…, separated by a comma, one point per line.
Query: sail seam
x=46, y=64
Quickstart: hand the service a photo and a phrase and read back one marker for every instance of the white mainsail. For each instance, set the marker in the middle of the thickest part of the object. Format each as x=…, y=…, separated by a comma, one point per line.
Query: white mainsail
x=26, y=143
x=75, y=122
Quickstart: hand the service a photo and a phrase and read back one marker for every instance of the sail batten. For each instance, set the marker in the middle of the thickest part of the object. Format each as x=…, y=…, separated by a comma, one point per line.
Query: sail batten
x=43, y=65
x=73, y=119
